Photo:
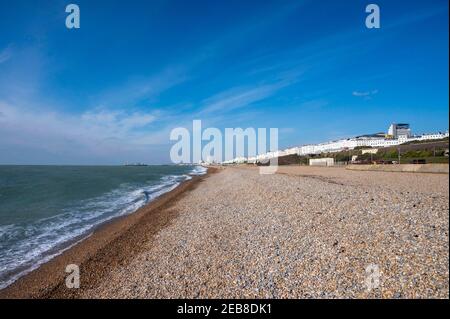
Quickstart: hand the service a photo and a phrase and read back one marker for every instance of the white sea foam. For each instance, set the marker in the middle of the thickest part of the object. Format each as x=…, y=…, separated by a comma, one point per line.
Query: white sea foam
x=23, y=247
x=199, y=170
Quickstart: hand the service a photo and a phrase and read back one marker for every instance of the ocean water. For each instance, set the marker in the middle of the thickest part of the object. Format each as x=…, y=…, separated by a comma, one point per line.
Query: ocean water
x=46, y=209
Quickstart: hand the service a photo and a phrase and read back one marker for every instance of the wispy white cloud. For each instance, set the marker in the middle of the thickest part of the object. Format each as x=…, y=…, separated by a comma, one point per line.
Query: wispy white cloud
x=365, y=94
x=5, y=54
x=99, y=132
x=116, y=122
x=237, y=98
x=243, y=96
x=138, y=88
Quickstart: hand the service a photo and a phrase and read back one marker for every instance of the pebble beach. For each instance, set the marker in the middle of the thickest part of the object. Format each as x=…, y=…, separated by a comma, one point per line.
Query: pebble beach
x=304, y=232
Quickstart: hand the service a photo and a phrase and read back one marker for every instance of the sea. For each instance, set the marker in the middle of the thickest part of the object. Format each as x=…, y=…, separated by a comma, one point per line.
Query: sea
x=45, y=210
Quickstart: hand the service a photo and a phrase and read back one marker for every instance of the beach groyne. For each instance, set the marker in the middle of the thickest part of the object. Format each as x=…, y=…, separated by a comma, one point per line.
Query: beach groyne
x=411, y=168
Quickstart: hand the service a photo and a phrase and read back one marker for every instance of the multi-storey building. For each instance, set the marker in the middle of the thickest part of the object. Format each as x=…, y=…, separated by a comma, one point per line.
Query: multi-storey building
x=397, y=134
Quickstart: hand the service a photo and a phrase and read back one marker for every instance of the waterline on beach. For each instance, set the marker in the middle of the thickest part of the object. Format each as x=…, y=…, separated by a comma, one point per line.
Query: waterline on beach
x=38, y=224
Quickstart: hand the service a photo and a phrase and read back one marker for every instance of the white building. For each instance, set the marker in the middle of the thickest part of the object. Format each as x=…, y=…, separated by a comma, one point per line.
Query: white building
x=321, y=161
x=397, y=134
x=369, y=151
x=396, y=130
x=432, y=136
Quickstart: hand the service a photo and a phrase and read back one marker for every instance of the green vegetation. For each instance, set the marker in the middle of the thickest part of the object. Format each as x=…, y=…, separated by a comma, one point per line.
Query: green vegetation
x=431, y=152
x=426, y=141
x=408, y=154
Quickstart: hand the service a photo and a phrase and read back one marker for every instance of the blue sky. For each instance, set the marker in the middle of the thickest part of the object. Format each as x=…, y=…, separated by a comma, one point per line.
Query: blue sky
x=112, y=90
